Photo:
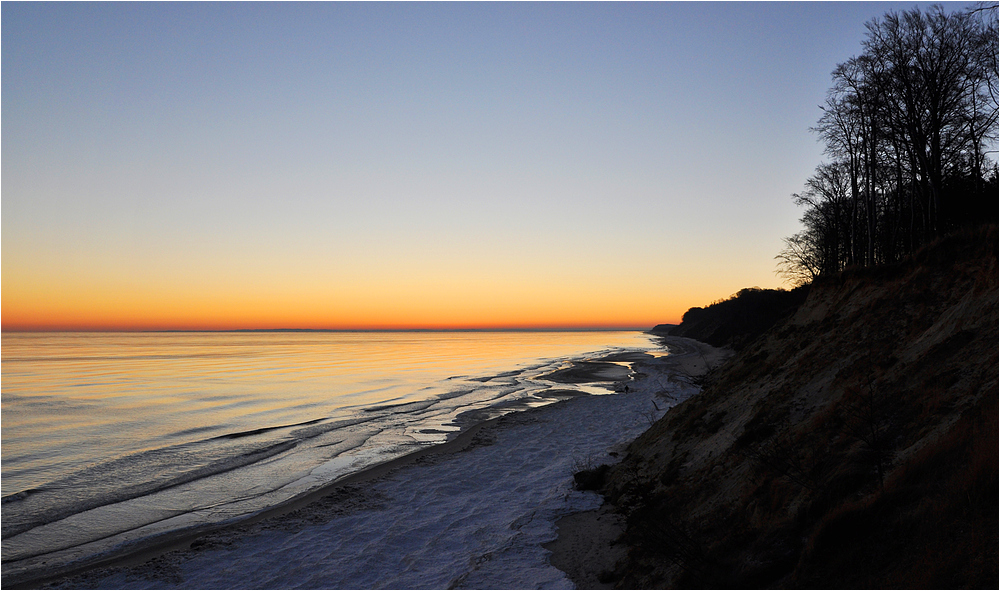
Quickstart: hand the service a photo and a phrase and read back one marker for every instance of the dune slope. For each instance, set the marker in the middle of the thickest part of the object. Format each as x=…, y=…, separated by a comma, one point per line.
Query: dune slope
x=852, y=445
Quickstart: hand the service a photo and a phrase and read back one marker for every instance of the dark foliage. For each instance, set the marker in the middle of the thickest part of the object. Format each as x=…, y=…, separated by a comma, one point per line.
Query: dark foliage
x=663, y=329
x=739, y=320
x=591, y=479
x=908, y=125
x=853, y=445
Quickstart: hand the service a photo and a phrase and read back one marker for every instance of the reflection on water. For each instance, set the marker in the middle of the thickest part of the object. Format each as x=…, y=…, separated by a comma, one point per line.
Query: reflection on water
x=110, y=438
x=70, y=399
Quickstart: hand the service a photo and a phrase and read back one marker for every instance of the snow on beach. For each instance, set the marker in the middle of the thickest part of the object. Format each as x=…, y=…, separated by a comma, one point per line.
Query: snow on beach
x=118, y=443
x=472, y=519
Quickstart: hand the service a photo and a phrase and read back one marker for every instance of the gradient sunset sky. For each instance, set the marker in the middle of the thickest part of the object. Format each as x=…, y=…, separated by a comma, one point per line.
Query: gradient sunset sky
x=216, y=166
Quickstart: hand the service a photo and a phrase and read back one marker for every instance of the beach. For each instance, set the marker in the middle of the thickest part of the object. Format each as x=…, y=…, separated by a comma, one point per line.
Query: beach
x=115, y=443
x=475, y=512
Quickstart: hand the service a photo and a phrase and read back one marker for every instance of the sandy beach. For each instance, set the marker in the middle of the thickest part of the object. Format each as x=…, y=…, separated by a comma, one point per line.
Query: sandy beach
x=477, y=512
x=587, y=547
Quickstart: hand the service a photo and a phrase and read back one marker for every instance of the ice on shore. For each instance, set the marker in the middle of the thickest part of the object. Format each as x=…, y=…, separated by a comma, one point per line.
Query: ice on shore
x=472, y=519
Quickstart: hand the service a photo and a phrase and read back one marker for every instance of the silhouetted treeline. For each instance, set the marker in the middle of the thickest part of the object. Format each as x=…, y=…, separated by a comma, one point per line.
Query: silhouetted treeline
x=907, y=125
x=739, y=320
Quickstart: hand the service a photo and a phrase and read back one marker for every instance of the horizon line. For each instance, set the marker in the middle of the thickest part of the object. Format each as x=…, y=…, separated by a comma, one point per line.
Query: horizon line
x=320, y=330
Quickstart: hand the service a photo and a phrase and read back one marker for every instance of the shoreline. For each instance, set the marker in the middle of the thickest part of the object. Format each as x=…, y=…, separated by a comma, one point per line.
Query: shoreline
x=185, y=539
x=588, y=545
x=685, y=359
x=181, y=540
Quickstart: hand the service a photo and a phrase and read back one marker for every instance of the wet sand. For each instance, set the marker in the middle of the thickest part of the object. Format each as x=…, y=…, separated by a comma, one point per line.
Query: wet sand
x=583, y=372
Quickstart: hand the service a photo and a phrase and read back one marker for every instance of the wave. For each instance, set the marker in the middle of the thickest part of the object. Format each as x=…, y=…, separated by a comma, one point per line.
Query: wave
x=18, y=496
x=403, y=406
x=153, y=471
x=101, y=484
x=240, y=434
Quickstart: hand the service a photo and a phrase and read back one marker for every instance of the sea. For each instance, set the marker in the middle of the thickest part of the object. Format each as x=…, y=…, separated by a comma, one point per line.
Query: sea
x=113, y=439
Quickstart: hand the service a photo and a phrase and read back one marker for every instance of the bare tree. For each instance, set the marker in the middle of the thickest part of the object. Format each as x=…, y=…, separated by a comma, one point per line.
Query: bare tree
x=799, y=262
x=908, y=124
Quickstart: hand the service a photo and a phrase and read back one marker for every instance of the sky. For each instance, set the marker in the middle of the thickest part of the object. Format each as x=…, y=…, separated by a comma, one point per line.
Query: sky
x=360, y=166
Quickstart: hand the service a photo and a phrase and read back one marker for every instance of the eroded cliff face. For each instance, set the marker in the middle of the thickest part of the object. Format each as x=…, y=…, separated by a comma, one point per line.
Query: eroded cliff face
x=853, y=445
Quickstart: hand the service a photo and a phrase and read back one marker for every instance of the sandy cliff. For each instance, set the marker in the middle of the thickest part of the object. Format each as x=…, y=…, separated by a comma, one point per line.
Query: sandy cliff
x=852, y=445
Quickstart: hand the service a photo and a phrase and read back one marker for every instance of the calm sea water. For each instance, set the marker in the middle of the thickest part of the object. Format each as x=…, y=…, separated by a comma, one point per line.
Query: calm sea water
x=112, y=438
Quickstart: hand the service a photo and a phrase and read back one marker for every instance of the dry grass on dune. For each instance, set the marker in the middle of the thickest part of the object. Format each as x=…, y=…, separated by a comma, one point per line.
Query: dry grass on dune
x=853, y=445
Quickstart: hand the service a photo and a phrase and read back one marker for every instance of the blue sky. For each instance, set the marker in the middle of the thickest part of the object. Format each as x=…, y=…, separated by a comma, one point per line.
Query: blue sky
x=641, y=156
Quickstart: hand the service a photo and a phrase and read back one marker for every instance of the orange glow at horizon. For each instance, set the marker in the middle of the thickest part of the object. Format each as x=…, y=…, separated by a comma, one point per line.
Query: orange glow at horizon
x=529, y=305
x=379, y=183
x=211, y=314
x=401, y=284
